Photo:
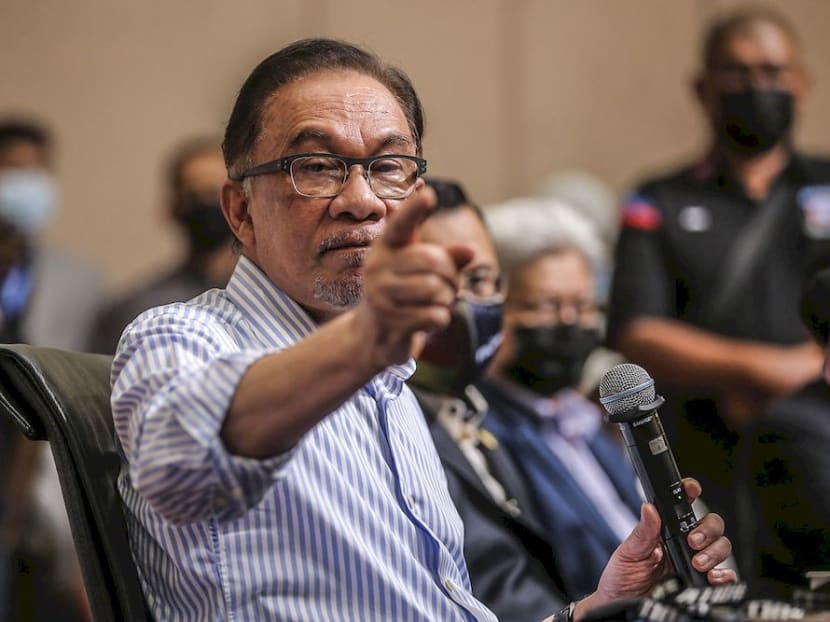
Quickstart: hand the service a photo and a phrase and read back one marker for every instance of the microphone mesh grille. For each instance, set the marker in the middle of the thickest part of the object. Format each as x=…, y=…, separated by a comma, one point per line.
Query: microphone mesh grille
x=621, y=378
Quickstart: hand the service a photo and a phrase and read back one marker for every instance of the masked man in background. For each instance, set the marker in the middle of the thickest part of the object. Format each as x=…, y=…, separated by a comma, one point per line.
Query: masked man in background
x=509, y=557
x=578, y=473
x=47, y=298
x=195, y=176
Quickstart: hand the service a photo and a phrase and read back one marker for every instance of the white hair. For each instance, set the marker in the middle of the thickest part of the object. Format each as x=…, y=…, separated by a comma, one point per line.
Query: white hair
x=526, y=228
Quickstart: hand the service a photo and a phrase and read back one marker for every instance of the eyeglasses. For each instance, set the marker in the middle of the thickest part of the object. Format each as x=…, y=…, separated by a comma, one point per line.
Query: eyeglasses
x=481, y=283
x=323, y=175
x=556, y=311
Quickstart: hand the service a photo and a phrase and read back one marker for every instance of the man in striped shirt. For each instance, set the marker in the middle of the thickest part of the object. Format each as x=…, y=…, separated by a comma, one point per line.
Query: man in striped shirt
x=276, y=465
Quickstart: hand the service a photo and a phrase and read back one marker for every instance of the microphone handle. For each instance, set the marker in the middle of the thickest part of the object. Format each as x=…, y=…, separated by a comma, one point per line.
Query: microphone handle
x=654, y=463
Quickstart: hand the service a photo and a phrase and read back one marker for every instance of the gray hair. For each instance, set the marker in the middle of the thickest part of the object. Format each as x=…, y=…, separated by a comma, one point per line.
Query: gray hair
x=526, y=228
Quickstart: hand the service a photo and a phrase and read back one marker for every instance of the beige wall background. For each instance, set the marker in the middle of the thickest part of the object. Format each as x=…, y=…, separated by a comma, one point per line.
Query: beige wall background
x=514, y=90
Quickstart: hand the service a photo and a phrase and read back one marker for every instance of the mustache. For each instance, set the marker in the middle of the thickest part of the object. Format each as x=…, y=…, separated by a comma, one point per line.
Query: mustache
x=360, y=237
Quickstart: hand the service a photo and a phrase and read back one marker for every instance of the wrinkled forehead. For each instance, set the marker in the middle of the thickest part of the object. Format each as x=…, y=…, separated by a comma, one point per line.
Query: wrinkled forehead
x=334, y=110
x=560, y=272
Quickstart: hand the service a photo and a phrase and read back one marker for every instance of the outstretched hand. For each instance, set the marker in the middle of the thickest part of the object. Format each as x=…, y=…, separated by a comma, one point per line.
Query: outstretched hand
x=409, y=287
x=640, y=561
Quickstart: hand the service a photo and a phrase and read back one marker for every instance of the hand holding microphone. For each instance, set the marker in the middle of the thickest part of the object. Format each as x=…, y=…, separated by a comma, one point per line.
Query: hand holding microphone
x=627, y=393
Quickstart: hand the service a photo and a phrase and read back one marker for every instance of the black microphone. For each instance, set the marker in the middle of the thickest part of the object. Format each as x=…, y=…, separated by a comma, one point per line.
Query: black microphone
x=627, y=393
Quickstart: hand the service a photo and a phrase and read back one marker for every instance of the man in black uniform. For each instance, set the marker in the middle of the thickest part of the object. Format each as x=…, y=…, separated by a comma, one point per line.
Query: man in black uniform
x=711, y=258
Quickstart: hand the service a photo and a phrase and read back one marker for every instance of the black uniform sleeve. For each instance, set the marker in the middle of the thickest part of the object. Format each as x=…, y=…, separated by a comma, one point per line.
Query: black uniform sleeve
x=642, y=284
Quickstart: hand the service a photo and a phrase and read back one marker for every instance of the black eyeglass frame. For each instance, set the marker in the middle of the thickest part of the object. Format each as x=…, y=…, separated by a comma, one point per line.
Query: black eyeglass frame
x=284, y=165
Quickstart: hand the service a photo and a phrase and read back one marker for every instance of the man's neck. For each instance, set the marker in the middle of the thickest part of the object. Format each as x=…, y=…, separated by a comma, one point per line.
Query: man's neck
x=757, y=173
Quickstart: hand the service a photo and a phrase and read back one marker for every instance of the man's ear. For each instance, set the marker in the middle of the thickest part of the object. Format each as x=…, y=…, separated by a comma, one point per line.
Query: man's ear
x=235, y=208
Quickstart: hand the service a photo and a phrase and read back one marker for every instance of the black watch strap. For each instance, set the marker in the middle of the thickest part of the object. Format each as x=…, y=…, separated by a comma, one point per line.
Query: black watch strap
x=566, y=614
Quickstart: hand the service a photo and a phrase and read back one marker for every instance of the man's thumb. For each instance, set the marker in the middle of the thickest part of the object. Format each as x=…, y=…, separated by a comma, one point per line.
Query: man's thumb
x=645, y=536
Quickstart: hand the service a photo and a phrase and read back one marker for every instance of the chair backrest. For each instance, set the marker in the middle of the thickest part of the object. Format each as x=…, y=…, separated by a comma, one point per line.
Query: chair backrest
x=64, y=398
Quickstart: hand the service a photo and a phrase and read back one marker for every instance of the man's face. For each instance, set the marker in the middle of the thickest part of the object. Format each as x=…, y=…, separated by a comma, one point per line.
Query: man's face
x=456, y=356
x=461, y=226
x=552, y=289
x=758, y=56
x=314, y=248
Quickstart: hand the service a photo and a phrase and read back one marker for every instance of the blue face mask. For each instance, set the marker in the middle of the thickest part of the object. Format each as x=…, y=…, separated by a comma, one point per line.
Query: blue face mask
x=28, y=199
x=459, y=354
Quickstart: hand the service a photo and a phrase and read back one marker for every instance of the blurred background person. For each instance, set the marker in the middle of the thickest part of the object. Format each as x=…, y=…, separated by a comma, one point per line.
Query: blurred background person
x=47, y=298
x=593, y=198
x=511, y=561
x=711, y=257
x=785, y=472
x=195, y=175
x=579, y=475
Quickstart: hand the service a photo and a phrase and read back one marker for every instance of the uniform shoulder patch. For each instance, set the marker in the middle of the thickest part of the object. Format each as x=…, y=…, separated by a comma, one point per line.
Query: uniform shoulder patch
x=639, y=212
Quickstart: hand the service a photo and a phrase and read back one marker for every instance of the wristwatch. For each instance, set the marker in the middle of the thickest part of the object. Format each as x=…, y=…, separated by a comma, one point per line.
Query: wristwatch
x=566, y=614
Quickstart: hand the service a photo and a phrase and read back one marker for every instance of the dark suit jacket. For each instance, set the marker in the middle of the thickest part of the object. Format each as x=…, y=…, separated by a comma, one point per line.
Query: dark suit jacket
x=785, y=481
x=511, y=564
x=583, y=538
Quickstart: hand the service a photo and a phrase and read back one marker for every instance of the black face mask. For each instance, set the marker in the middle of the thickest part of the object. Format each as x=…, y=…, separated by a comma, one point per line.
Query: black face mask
x=204, y=224
x=551, y=358
x=457, y=356
x=753, y=121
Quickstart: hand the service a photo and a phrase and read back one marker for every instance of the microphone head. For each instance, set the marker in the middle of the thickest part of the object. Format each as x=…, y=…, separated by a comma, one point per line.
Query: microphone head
x=624, y=387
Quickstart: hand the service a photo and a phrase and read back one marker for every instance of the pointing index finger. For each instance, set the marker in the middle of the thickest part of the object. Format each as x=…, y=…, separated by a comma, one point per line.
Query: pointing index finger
x=402, y=225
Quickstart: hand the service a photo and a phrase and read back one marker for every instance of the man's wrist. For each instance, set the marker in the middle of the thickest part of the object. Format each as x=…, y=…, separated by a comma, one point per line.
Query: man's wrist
x=583, y=606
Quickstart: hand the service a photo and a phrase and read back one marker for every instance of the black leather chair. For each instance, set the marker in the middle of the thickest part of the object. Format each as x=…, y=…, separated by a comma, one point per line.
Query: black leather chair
x=64, y=398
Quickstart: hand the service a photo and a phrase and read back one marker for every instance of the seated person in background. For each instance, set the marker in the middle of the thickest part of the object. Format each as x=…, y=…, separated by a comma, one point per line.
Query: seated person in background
x=195, y=176
x=594, y=199
x=785, y=472
x=585, y=487
x=47, y=298
x=510, y=560
x=275, y=464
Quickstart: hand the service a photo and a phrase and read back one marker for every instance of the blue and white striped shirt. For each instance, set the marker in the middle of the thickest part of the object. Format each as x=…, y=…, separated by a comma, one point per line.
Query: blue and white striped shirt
x=355, y=523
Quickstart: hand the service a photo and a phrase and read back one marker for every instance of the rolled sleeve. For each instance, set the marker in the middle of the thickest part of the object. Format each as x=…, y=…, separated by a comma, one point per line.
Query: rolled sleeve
x=174, y=377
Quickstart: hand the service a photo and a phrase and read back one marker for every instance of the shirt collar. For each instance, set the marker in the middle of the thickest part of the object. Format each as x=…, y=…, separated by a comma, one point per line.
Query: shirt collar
x=571, y=413
x=460, y=416
x=15, y=290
